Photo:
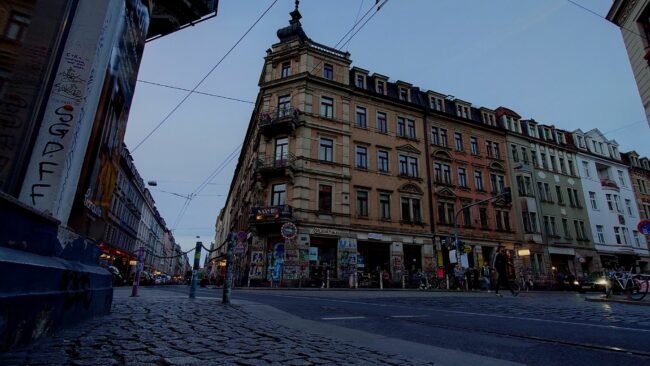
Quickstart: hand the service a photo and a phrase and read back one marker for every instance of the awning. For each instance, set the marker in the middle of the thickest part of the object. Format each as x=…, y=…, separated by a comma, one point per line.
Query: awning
x=562, y=251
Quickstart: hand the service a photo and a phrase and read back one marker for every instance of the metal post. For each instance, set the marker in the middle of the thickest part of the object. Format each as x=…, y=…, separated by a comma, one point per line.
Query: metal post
x=403, y=281
x=328, y=278
x=381, y=279
x=195, y=270
x=227, y=283
x=138, y=270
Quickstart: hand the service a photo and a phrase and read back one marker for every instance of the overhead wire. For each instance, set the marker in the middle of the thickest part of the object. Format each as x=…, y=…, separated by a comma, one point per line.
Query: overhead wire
x=604, y=18
x=196, y=91
x=203, y=79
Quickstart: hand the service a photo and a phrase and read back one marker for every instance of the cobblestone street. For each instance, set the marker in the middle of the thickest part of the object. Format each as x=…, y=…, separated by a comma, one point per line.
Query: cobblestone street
x=160, y=328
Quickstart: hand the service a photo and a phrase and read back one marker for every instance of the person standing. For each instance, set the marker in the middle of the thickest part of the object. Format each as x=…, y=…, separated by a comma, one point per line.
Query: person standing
x=485, y=276
x=501, y=266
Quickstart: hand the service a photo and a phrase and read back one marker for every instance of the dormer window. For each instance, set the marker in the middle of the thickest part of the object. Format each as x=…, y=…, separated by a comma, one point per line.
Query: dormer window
x=547, y=134
x=286, y=69
x=560, y=137
x=581, y=142
x=381, y=87
x=488, y=119
x=532, y=130
x=462, y=111
x=360, y=81
x=436, y=104
x=614, y=152
x=403, y=94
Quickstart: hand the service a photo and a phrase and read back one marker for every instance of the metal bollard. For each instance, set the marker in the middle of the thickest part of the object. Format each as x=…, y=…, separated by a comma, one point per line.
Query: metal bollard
x=135, y=291
x=195, y=270
x=403, y=281
x=447, y=279
x=227, y=283
x=328, y=279
x=381, y=280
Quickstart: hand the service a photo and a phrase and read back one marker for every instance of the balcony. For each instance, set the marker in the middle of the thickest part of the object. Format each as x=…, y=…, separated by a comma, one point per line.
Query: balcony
x=271, y=214
x=608, y=184
x=272, y=166
x=278, y=121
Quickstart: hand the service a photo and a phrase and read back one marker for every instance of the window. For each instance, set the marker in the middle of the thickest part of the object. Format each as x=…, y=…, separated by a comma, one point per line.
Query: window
x=382, y=161
x=467, y=217
x=401, y=127
x=562, y=166
x=458, y=138
x=636, y=238
x=592, y=199
x=410, y=129
x=497, y=153
x=547, y=226
x=524, y=155
x=558, y=193
x=515, y=153
x=482, y=213
x=642, y=187
x=542, y=193
x=473, y=141
x=600, y=234
x=575, y=197
x=610, y=203
x=446, y=173
x=362, y=157
x=408, y=166
x=436, y=103
x=462, y=111
x=583, y=231
x=361, y=117
x=411, y=210
x=384, y=206
x=544, y=162
x=503, y=220
x=360, y=81
x=585, y=169
x=284, y=105
x=492, y=149
x=381, y=86
x=403, y=94
x=286, y=69
x=497, y=182
x=325, y=152
x=617, y=234
x=478, y=180
x=617, y=203
x=565, y=227
x=443, y=137
x=621, y=178
x=553, y=163
x=327, y=107
x=628, y=205
x=437, y=172
x=325, y=198
x=328, y=71
x=362, y=203
x=17, y=25
x=462, y=177
x=382, y=126
x=553, y=227
x=547, y=193
x=446, y=213
x=279, y=194
x=626, y=235
x=281, y=151
x=434, y=136
x=571, y=169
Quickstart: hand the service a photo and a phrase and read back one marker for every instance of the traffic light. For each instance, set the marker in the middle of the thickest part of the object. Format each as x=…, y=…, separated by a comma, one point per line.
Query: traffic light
x=507, y=195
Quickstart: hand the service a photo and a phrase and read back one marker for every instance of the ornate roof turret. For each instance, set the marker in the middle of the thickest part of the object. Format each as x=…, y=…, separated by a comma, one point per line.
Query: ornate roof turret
x=294, y=29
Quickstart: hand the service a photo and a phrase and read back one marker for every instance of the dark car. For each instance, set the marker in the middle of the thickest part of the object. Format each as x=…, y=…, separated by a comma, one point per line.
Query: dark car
x=116, y=276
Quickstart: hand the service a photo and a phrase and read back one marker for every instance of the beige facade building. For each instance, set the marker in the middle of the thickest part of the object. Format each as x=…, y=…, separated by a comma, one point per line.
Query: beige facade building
x=633, y=17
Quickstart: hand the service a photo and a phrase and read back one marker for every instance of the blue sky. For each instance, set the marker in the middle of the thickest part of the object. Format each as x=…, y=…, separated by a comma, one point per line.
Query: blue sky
x=548, y=60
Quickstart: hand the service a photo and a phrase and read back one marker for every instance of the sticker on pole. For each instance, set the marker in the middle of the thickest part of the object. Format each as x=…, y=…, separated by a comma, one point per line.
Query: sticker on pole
x=644, y=227
x=289, y=230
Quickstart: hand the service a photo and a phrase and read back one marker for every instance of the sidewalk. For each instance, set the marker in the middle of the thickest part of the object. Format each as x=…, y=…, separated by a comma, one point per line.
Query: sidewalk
x=164, y=328
x=621, y=299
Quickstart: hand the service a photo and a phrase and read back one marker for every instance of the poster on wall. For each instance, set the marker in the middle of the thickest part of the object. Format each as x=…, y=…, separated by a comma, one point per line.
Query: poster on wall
x=313, y=254
x=428, y=264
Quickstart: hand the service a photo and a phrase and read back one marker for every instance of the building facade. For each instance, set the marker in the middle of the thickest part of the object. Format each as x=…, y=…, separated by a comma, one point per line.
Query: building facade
x=611, y=202
x=639, y=168
x=633, y=17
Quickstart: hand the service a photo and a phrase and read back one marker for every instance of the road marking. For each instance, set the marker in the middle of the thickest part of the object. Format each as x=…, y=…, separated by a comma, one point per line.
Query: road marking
x=408, y=316
x=344, y=318
x=611, y=327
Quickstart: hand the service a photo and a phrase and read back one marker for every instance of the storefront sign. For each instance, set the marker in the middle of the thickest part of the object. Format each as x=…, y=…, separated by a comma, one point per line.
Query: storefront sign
x=347, y=244
x=375, y=236
x=289, y=230
x=324, y=231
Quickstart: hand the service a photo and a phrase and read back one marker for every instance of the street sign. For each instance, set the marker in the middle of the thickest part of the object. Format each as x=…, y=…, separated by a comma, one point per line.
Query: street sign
x=289, y=230
x=644, y=227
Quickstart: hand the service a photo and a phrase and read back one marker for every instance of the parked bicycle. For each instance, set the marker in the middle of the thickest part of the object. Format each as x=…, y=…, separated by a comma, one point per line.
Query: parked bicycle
x=635, y=285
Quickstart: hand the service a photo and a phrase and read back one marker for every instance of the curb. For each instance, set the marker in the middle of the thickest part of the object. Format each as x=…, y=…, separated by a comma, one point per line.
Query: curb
x=619, y=301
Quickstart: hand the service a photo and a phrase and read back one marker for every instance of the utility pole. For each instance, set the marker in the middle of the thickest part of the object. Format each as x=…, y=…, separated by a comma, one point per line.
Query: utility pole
x=195, y=271
x=506, y=193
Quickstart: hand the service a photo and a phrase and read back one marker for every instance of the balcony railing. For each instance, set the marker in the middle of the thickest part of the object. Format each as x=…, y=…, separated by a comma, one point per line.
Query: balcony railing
x=608, y=183
x=271, y=213
x=272, y=162
x=278, y=115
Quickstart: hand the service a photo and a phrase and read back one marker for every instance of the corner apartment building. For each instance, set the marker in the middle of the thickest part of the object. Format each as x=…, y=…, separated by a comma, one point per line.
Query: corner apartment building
x=639, y=168
x=611, y=203
x=633, y=17
x=552, y=219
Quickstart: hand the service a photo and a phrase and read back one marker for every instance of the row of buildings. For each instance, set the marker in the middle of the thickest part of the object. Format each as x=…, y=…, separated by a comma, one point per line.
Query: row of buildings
x=346, y=170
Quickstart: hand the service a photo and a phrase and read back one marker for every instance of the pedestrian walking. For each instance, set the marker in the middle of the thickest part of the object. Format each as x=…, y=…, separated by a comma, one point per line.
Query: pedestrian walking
x=501, y=266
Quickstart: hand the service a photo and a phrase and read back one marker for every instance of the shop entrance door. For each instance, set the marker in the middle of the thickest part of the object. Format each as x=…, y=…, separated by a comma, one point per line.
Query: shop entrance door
x=375, y=256
x=412, y=258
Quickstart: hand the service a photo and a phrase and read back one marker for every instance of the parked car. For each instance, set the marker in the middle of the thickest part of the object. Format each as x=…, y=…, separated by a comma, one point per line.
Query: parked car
x=116, y=276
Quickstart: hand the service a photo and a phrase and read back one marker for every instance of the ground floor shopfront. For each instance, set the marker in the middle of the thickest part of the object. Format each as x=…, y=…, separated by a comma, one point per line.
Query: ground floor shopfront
x=319, y=256
x=615, y=256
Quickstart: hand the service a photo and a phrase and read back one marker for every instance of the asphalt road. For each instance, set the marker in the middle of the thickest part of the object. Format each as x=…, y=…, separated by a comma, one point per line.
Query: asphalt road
x=544, y=328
